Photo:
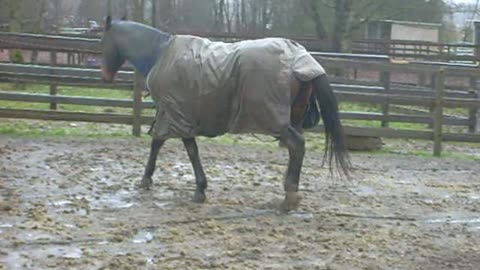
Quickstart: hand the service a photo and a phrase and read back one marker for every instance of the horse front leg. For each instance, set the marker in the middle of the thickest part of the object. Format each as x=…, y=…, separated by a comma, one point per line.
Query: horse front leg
x=295, y=143
x=200, y=178
x=152, y=159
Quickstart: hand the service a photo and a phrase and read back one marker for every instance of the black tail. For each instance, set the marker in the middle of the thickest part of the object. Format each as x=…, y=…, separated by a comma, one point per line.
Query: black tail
x=335, y=147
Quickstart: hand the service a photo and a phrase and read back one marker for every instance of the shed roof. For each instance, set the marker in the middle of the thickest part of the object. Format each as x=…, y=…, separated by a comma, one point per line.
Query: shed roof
x=411, y=23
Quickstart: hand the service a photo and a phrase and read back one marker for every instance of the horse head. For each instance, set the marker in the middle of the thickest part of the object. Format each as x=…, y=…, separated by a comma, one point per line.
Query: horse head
x=112, y=58
x=139, y=44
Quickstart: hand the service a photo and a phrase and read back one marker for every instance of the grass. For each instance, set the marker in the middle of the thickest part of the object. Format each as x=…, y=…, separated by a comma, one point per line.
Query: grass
x=66, y=91
x=71, y=91
x=355, y=107
x=314, y=141
x=26, y=128
x=40, y=129
x=428, y=154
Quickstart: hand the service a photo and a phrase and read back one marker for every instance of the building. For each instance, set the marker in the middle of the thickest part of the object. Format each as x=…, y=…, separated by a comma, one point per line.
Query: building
x=403, y=30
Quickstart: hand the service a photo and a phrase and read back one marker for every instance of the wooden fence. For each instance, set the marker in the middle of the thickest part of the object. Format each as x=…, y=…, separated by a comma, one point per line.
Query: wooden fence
x=432, y=51
x=435, y=96
x=439, y=52
x=433, y=93
x=58, y=76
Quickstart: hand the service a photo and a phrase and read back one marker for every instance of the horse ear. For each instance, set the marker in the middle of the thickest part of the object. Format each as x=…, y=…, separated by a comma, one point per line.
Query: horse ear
x=108, y=23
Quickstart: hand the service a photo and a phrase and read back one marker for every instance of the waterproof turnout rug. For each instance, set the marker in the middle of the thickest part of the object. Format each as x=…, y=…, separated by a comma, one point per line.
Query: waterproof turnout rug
x=205, y=88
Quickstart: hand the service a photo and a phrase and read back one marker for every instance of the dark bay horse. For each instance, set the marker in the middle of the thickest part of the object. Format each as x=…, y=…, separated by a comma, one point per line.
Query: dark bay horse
x=144, y=47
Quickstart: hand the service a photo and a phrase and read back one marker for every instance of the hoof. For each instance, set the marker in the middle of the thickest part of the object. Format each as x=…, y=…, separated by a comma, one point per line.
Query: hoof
x=199, y=197
x=146, y=183
x=291, y=202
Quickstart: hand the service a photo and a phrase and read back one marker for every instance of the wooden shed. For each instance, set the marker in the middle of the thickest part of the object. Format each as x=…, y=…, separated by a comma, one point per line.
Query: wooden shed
x=403, y=30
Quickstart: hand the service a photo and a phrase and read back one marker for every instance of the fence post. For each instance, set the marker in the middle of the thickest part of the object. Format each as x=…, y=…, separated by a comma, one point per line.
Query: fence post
x=385, y=80
x=438, y=112
x=473, y=113
x=431, y=108
x=53, y=87
x=477, y=124
x=137, y=104
x=422, y=79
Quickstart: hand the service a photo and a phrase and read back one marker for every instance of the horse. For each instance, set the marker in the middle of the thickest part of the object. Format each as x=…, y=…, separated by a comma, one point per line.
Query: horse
x=167, y=61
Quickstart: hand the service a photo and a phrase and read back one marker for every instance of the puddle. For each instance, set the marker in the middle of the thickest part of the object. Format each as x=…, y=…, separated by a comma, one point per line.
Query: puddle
x=68, y=206
x=182, y=171
x=144, y=236
x=163, y=205
x=150, y=261
x=62, y=203
x=65, y=252
x=34, y=236
x=302, y=215
x=404, y=182
x=475, y=197
x=365, y=191
x=70, y=226
x=455, y=221
x=13, y=260
x=456, y=218
x=113, y=201
x=433, y=192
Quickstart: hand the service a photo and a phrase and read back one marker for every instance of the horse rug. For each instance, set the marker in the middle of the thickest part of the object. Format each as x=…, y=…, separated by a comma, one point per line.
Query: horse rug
x=206, y=88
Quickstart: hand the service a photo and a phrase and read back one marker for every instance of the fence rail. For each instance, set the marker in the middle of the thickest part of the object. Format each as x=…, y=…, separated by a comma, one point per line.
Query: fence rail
x=418, y=50
x=433, y=95
x=48, y=43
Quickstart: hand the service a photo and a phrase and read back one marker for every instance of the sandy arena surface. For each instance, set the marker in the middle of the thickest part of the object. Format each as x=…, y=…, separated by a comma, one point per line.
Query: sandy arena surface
x=73, y=204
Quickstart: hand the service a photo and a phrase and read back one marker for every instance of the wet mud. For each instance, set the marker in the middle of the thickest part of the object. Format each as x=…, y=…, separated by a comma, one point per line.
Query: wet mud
x=73, y=204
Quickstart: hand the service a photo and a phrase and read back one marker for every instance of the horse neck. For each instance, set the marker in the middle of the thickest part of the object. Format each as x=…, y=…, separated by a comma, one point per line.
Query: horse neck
x=142, y=46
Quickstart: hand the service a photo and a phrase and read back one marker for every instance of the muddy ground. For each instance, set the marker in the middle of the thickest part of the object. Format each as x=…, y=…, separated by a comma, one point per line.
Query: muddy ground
x=72, y=204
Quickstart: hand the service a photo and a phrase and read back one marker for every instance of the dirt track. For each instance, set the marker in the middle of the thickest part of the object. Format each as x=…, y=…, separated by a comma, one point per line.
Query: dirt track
x=72, y=204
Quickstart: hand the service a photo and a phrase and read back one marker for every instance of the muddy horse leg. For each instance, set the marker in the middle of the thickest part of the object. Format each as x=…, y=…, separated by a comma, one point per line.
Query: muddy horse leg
x=200, y=178
x=296, y=150
x=152, y=159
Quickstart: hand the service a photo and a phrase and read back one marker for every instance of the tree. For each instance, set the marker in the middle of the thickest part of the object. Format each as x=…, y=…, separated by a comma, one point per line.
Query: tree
x=343, y=10
x=166, y=17
x=15, y=20
x=138, y=10
x=312, y=8
x=219, y=15
x=349, y=16
x=94, y=9
x=468, y=29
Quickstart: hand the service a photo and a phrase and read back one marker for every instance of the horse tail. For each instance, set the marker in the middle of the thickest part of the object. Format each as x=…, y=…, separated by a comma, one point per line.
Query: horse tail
x=335, y=146
x=312, y=116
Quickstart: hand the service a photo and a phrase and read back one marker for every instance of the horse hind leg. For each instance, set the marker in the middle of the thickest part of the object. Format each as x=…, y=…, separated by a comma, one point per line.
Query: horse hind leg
x=301, y=91
x=295, y=143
